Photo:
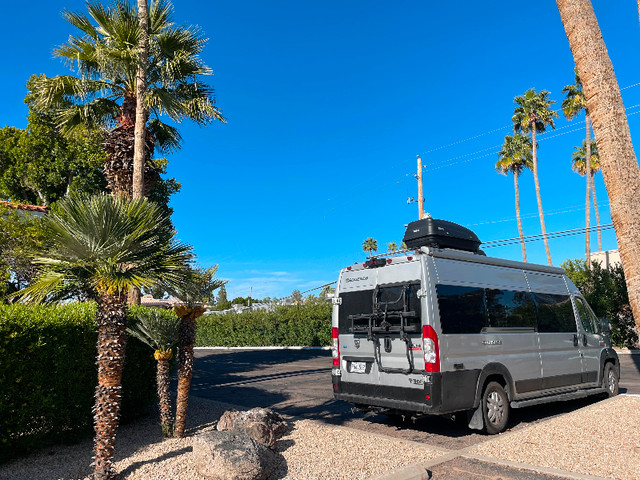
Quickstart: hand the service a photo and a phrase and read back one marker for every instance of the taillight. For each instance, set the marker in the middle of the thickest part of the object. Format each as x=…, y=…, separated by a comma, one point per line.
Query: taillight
x=430, y=349
x=335, y=347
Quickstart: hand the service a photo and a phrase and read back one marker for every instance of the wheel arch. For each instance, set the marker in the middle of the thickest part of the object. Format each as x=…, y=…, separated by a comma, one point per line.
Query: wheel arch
x=493, y=372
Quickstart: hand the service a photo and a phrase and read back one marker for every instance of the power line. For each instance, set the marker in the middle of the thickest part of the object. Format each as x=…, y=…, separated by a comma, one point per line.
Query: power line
x=552, y=235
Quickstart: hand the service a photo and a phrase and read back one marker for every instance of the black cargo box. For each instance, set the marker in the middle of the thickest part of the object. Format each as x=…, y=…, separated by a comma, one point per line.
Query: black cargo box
x=430, y=232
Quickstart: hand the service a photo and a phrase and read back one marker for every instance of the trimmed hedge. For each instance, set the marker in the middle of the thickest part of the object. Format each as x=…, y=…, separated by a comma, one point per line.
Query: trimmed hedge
x=295, y=325
x=48, y=375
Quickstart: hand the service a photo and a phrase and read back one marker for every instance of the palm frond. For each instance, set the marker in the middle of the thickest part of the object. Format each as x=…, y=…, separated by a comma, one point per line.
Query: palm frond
x=156, y=330
x=167, y=137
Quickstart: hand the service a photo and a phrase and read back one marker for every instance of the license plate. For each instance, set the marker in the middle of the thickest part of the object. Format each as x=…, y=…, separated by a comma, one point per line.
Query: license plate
x=358, y=367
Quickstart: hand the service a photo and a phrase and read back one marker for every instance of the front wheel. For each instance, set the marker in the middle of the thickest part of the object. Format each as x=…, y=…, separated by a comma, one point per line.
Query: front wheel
x=495, y=408
x=610, y=380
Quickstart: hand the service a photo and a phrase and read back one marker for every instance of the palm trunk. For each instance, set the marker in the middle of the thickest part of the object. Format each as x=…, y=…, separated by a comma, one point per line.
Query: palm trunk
x=617, y=157
x=164, y=397
x=141, y=113
x=517, y=189
x=111, y=320
x=595, y=206
x=537, y=185
x=588, y=177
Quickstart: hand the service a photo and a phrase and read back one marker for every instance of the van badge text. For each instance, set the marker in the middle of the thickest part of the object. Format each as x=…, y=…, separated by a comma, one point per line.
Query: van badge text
x=357, y=279
x=492, y=342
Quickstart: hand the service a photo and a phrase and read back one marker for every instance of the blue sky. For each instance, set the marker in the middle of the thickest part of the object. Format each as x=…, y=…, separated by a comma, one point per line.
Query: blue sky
x=328, y=104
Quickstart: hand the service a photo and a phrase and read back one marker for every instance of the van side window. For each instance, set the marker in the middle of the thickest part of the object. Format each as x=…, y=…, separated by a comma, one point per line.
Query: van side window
x=555, y=313
x=588, y=320
x=462, y=309
x=509, y=309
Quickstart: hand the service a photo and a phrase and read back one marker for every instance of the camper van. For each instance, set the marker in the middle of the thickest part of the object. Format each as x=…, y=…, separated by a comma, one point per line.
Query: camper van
x=443, y=329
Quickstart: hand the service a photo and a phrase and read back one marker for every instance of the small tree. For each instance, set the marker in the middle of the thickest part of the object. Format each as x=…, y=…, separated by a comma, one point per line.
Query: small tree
x=370, y=245
x=160, y=332
x=195, y=292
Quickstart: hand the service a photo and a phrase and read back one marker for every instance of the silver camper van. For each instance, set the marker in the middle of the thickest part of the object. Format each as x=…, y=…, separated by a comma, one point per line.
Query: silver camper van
x=444, y=329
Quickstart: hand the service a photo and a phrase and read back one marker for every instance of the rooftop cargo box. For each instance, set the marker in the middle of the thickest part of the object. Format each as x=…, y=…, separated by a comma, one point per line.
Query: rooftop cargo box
x=430, y=232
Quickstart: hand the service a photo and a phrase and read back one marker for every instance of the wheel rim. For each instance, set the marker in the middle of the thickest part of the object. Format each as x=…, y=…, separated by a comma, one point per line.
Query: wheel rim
x=495, y=408
x=612, y=381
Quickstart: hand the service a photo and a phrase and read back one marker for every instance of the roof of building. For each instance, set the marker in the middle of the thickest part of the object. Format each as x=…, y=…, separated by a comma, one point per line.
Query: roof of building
x=24, y=206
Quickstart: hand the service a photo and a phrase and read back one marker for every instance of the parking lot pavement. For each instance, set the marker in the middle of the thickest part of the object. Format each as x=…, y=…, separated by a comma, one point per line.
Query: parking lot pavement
x=298, y=383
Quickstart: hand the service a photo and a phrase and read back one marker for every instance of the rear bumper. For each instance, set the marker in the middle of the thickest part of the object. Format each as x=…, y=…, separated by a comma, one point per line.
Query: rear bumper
x=445, y=392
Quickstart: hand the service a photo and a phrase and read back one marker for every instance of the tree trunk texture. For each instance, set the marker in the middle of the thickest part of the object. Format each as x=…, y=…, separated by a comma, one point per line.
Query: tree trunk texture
x=587, y=175
x=164, y=397
x=119, y=145
x=111, y=320
x=617, y=159
x=186, y=341
x=517, y=190
x=595, y=207
x=538, y=198
x=141, y=111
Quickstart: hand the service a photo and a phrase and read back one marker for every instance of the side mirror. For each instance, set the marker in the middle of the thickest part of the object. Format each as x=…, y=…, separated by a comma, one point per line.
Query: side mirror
x=605, y=326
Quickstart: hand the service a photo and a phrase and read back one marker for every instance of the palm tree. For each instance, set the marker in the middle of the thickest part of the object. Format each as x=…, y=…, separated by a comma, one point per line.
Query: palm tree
x=392, y=247
x=160, y=332
x=370, y=245
x=101, y=246
x=106, y=56
x=532, y=114
x=572, y=106
x=617, y=158
x=515, y=156
x=194, y=293
x=403, y=246
x=579, y=165
x=141, y=110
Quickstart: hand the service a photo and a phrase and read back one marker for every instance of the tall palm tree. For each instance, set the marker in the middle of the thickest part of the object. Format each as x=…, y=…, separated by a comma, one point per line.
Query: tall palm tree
x=617, y=157
x=579, y=165
x=515, y=156
x=160, y=333
x=370, y=245
x=106, y=57
x=574, y=103
x=141, y=109
x=392, y=247
x=102, y=245
x=197, y=291
x=533, y=114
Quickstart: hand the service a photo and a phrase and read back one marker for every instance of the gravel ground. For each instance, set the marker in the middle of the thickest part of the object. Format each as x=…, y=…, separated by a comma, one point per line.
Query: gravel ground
x=312, y=451
x=602, y=439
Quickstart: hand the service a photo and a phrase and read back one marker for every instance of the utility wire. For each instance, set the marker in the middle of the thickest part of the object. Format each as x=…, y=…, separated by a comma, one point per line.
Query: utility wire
x=552, y=235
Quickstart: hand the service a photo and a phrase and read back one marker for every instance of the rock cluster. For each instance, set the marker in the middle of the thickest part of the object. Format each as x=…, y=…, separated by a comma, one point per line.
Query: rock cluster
x=242, y=447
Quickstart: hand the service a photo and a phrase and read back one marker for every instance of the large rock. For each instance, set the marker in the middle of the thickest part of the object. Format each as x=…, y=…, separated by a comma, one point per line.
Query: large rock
x=263, y=425
x=232, y=456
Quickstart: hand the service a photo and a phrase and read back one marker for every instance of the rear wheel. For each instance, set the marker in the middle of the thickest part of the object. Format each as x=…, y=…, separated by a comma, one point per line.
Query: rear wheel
x=495, y=408
x=610, y=379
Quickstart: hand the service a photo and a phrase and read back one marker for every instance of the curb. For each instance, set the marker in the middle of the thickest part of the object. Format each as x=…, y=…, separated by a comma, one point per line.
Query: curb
x=627, y=351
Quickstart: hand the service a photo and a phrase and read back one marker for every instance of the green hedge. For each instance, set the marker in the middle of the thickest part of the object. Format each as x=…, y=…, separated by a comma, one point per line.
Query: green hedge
x=296, y=325
x=48, y=375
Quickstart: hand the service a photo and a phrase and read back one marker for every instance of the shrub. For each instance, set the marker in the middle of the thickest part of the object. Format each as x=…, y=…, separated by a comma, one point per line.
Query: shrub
x=606, y=291
x=295, y=325
x=48, y=375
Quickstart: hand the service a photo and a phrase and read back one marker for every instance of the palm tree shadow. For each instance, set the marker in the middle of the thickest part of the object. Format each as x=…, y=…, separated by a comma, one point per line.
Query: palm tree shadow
x=136, y=465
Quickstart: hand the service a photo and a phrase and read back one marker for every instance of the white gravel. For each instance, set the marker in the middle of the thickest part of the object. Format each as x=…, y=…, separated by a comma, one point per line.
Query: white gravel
x=311, y=450
x=602, y=439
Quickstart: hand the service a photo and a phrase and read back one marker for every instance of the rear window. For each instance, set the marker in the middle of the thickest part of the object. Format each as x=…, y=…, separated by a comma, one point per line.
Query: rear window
x=387, y=307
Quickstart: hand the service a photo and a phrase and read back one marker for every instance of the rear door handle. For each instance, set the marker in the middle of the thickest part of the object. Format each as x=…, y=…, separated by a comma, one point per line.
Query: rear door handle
x=584, y=339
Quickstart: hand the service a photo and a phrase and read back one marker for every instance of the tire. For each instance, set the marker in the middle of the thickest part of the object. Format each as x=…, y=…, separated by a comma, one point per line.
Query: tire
x=610, y=380
x=495, y=408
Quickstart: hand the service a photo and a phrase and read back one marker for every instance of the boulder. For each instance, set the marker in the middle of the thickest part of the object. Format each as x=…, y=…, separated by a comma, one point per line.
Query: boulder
x=232, y=456
x=263, y=425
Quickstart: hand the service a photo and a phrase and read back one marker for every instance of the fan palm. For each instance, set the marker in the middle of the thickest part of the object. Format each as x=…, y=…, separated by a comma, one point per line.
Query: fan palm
x=532, y=114
x=392, y=247
x=102, y=245
x=579, y=165
x=572, y=106
x=160, y=332
x=370, y=245
x=515, y=156
x=105, y=55
x=194, y=293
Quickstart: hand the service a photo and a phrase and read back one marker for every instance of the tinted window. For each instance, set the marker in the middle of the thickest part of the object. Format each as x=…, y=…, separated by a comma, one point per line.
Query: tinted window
x=462, y=309
x=555, y=313
x=353, y=303
x=588, y=320
x=509, y=309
